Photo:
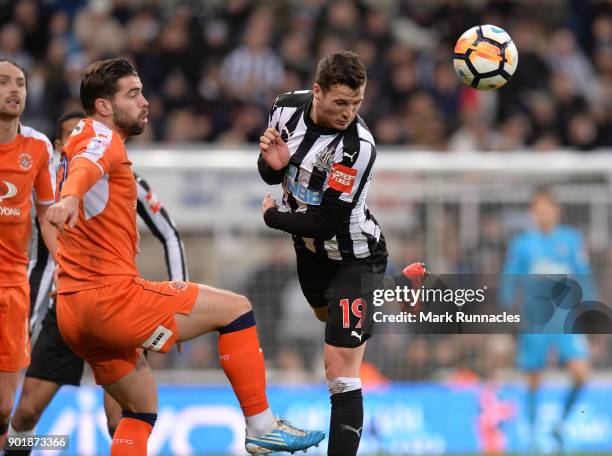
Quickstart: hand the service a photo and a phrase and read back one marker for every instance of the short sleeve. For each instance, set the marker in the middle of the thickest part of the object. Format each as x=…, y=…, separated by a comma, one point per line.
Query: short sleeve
x=99, y=150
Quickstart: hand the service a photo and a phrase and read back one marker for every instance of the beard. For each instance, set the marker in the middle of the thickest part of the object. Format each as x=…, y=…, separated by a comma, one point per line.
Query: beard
x=6, y=115
x=131, y=127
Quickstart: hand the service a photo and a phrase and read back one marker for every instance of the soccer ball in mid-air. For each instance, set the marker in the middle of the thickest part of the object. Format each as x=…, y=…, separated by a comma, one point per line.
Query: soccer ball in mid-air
x=485, y=57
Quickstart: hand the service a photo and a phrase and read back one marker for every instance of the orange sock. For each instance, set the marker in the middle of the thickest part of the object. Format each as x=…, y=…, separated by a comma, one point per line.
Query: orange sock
x=131, y=438
x=243, y=363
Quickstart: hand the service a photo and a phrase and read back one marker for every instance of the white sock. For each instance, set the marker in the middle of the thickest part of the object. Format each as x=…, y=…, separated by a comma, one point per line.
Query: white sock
x=343, y=385
x=260, y=424
x=14, y=433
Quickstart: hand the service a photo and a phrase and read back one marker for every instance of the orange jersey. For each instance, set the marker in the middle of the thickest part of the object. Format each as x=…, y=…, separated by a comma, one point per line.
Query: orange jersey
x=26, y=170
x=101, y=248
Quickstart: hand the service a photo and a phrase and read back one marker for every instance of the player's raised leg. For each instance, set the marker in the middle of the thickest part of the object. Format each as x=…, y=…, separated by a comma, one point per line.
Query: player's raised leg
x=242, y=360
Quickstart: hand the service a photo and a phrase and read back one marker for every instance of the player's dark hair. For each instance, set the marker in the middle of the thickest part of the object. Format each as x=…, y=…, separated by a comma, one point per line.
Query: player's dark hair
x=544, y=191
x=100, y=81
x=68, y=115
x=15, y=64
x=341, y=67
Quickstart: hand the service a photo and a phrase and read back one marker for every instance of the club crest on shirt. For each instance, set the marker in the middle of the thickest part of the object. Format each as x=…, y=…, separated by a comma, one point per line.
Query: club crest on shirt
x=25, y=161
x=324, y=159
x=178, y=285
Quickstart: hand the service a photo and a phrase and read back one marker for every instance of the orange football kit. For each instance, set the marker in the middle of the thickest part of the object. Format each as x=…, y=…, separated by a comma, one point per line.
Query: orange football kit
x=26, y=170
x=106, y=313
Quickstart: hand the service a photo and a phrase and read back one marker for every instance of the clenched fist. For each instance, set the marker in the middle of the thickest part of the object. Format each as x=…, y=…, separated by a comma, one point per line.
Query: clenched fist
x=66, y=212
x=273, y=149
x=268, y=203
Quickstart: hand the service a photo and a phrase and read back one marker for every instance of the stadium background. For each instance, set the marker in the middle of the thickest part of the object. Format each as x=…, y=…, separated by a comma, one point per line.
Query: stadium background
x=454, y=176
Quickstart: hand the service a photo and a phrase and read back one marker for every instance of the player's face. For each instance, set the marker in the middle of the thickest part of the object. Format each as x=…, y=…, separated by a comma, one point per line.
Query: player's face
x=130, y=107
x=337, y=107
x=66, y=128
x=12, y=91
x=545, y=212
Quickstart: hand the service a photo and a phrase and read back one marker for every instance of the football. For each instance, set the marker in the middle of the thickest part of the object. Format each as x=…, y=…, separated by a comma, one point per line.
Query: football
x=485, y=57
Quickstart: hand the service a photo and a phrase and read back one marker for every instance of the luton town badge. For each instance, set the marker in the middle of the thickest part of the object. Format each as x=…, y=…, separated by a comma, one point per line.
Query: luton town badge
x=25, y=161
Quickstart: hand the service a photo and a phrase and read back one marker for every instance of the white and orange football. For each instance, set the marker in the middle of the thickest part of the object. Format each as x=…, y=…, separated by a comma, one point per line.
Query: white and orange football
x=485, y=57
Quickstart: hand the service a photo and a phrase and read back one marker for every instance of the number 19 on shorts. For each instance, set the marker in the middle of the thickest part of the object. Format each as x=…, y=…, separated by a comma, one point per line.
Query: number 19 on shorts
x=356, y=308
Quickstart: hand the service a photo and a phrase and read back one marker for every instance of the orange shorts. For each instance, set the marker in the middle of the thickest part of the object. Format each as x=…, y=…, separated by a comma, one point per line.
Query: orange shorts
x=109, y=326
x=14, y=327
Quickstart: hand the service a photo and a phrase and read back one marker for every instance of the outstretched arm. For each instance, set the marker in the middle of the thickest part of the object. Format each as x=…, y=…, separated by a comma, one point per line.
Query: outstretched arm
x=82, y=176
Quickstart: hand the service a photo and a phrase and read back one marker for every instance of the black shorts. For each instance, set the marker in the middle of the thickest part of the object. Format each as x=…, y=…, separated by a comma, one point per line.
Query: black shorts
x=52, y=360
x=345, y=288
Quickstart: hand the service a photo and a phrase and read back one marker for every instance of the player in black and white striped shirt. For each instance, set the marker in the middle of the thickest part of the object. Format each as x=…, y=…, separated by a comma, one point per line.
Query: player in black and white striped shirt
x=53, y=363
x=323, y=154
x=328, y=176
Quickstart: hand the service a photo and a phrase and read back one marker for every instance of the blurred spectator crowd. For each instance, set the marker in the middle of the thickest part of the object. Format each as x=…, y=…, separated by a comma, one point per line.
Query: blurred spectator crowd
x=211, y=68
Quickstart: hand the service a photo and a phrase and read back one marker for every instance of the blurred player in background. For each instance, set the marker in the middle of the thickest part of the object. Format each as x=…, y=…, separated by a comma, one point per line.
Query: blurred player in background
x=549, y=248
x=26, y=170
x=106, y=313
x=53, y=363
x=323, y=153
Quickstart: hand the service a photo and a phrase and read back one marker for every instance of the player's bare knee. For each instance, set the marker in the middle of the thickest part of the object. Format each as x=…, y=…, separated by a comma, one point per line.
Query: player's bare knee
x=342, y=361
x=335, y=368
x=240, y=305
x=25, y=418
x=332, y=371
